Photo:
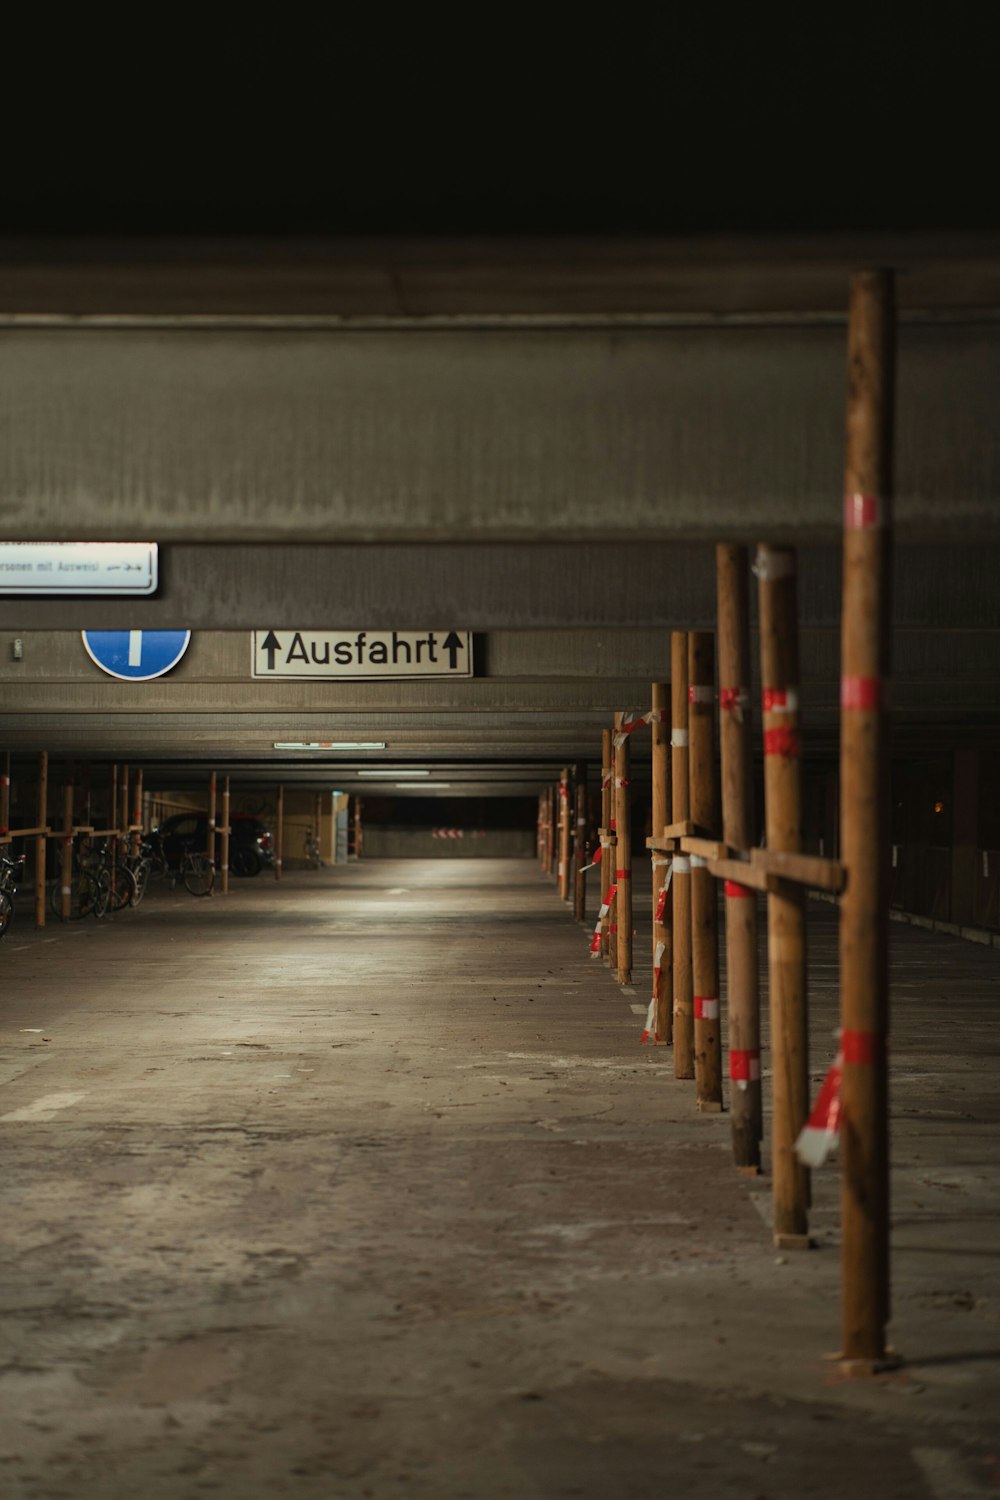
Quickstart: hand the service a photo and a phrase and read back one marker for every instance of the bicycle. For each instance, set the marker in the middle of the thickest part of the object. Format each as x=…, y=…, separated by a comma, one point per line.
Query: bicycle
x=10, y=871
x=90, y=887
x=197, y=872
x=311, y=847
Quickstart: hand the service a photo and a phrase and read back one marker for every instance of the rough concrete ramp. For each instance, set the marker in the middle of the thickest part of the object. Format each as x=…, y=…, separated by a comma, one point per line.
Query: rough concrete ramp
x=362, y=1186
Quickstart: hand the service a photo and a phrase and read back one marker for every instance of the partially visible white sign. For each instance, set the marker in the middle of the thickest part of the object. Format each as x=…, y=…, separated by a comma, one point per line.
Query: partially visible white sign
x=362, y=653
x=78, y=567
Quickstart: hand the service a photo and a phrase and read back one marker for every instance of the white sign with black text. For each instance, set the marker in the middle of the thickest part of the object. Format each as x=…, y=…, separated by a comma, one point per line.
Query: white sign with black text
x=362, y=653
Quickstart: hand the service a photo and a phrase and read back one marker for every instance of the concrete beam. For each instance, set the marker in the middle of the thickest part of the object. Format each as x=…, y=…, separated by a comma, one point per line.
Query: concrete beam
x=186, y=434
x=499, y=586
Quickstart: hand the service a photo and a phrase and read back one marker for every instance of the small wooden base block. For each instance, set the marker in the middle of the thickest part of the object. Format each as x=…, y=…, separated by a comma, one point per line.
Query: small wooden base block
x=709, y=1107
x=865, y=1369
x=794, y=1242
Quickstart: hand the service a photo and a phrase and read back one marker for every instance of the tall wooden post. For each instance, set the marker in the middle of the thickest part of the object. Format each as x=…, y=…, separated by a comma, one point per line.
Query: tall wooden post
x=279, y=833
x=136, y=818
x=66, y=860
x=680, y=798
x=224, y=851
x=5, y=794
x=87, y=797
x=623, y=857
x=113, y=824
x=359, y=833
x=607, y=852
x=864, y=846
x=210, y=849
x=704, y=896
x=742, y=993
x=538, y=832
x=786, y=921
x=41, y=821
x=580, y=845
x=565, y=824
x=663, y=958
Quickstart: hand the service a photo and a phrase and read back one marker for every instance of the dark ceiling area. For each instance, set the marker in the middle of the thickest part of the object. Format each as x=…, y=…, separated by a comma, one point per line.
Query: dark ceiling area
x=660, y=123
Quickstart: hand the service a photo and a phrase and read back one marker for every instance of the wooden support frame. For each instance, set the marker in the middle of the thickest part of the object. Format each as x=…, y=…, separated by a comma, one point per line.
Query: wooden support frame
x=786, y=922
x=224, y=842
x=66, y=855
x=580, y=844
x=210, y=849
x=41, y=812
x=704, y=900
x=608, y=953
x=565, y=828
x=623, y=853
x=681, y=882
x=732, y=574
x=864, y=812
x=663, y=945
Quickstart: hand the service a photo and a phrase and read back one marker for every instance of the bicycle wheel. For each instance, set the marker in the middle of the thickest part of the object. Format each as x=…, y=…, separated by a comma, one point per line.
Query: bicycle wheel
x=6, y=912
x=102, y=898
x=120, y=888
x=55, y=898
x=198, y=875
x=140, y=875
x=88, y=894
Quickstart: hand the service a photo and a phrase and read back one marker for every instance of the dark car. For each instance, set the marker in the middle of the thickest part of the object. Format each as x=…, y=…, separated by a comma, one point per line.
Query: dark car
x=251, y=846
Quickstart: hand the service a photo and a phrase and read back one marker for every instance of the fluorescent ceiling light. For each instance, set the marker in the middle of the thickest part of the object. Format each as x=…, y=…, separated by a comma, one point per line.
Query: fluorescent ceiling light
x=330, y=745
x=392, y=773
x=408, y=785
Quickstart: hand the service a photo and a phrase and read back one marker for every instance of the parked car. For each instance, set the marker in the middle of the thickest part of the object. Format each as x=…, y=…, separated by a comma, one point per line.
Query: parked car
x=251, y=846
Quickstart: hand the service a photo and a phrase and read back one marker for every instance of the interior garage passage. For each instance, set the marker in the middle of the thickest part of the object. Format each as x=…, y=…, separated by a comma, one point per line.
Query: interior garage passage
x=429, y=1116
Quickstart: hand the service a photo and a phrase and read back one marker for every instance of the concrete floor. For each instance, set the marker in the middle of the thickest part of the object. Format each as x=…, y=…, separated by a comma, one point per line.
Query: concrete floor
x=363, y=1187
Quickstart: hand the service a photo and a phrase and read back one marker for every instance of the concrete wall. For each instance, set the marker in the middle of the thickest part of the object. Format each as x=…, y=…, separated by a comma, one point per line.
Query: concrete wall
x=396, y=842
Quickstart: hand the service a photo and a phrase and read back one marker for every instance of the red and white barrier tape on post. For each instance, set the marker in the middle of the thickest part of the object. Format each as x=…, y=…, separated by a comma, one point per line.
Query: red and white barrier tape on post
x=734, y=700
x=700, y=695
x=706, y=1008
x=862, y=512
x=819, y=1134
x=598, y=856
x=595, y=942
x=631, y=722
x=661, y=904
x=650, y=1032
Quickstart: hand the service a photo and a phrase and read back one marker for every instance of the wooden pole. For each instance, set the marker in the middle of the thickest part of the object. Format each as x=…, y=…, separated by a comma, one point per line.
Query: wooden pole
x=580, y=846
x=564, y=834
x=137, y=812
x=704, y=814
x=663, y=1021
x=113, y=825
x=864, y=849
x=5, y=794
x=742, y=991
x=122, y=817
x=41, y=821
x=786, y=922
x=623, y=859
x=279, y=833
x=607, y=853
x=224, y=851
x=681, y=880
x=85, y=811
x=358, y=828
x=66, y=861
x=212, y=809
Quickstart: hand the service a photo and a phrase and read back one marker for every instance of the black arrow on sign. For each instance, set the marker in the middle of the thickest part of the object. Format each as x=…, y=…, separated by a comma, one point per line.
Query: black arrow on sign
x=270, y=644
x=453, y=645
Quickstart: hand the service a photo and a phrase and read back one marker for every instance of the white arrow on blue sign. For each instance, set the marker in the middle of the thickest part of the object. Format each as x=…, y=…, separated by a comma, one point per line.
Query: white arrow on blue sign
x=136, y=655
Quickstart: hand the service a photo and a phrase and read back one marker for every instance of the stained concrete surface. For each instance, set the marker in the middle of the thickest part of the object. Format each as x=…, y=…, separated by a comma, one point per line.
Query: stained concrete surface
x=363, y=1187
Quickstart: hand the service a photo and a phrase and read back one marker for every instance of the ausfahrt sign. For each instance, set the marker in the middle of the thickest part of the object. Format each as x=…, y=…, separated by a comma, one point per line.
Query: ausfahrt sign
x=362, y=653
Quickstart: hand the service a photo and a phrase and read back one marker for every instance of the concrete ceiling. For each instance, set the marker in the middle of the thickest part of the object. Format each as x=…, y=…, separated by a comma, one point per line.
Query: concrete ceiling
x=539, y=444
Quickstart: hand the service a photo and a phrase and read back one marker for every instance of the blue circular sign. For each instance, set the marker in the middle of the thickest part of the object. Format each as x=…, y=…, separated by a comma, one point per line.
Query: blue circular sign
x=136, y=655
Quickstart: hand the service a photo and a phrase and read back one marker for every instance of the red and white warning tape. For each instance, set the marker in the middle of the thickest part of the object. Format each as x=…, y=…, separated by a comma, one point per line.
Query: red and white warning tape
x=650, y=1032
x=448, y=833
x=819, y=1134
x=595, y=942
x=631, y=722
